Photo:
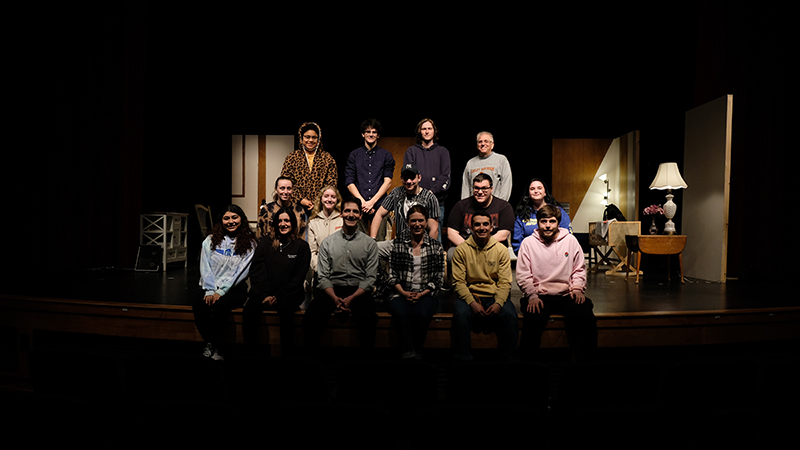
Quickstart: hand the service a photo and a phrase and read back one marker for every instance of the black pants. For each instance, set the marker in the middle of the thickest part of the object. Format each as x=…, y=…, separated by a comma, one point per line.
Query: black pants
x=579, y=320
x=211, y=320
x=318, y=314
x=253, y=316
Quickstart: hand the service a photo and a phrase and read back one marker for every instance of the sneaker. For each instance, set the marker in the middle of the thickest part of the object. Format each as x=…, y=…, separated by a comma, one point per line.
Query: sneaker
x=216, y=356
x=208, y=351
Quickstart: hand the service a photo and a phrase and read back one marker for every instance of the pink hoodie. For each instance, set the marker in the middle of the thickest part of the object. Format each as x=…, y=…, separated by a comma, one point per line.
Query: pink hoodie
x=555, y=269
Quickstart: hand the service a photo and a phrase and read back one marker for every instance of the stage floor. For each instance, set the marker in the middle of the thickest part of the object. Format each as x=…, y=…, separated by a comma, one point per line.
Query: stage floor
x=611, y=294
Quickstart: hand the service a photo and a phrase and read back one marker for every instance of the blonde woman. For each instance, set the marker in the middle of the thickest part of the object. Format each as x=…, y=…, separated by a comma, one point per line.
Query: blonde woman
x=326, y=218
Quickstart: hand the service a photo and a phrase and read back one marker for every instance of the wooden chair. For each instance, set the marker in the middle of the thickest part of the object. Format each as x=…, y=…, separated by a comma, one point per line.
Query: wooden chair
x=204, y=218
x=616, y=240
x=595, y=242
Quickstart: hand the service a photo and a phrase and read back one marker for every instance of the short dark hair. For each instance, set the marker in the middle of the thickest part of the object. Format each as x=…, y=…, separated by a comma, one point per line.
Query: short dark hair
x=482, y=177
x=371, y=123
x=482, y=214
x=547, y=211
x=351, y=199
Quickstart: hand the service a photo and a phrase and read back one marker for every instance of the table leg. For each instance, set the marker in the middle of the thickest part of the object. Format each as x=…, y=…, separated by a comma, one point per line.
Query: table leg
x=669, y=267
x=638, y=265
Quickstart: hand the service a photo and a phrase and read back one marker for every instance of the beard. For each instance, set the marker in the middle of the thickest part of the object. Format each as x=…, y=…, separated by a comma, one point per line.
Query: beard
x=549, y=237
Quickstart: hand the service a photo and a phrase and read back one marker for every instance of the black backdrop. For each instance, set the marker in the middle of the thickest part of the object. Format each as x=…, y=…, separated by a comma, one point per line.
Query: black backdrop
x=132, y=106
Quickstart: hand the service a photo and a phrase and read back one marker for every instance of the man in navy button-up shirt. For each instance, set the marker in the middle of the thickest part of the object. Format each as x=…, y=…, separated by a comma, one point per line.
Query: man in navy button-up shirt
x=369, y=171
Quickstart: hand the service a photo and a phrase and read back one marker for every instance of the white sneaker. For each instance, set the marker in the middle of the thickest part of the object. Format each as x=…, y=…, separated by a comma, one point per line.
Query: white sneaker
x=208, y=351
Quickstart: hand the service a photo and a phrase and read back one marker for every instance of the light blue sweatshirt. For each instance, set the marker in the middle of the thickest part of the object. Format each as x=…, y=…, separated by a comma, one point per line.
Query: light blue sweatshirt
x=221, y=268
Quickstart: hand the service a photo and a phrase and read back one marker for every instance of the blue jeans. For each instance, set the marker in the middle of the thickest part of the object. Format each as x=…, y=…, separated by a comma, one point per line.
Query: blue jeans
x=505, y=325
x=412, y=320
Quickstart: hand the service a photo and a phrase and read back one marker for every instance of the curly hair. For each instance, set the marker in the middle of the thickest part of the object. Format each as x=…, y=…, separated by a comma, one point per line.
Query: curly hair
x=245, y=239
x=371, y=123
x=524, y=208
x=274, y=233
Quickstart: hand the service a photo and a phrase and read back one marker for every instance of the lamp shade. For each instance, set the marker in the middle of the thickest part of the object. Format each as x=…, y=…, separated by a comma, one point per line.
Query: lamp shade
x=668, y=177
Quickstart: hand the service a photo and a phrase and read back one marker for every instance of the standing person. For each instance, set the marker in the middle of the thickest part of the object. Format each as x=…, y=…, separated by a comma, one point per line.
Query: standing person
x=281, y=198
x=310, y=167
x=224, y=268
x=525, y=222
x=482, y=283
x=416, y=272
x=400, y=200
x=552, y=277
x=347, y=270
x=433, y=161
x=277, y=273
x=368, y=174
x=491, y=163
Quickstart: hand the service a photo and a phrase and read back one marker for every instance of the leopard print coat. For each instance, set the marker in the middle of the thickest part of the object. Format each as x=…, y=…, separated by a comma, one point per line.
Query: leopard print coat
x=308, y=181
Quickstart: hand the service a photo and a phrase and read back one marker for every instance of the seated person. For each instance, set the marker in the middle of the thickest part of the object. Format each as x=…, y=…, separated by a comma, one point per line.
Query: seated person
x=281, y=198
x=326, y=218
x=525, y=223
x=347, y=270
x=224, y=268
x=552, y=276
x=481, y=270
x=459, y=223
x=277, y=273
x=416, y=266
x=400, y=200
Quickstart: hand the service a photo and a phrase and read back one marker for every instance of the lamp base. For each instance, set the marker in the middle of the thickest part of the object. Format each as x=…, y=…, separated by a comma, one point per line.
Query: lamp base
x=670, y=208
x=669, y=227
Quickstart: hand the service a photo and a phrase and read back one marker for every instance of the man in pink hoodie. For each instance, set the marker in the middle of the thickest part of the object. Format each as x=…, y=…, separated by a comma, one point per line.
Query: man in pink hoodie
x=552, y=276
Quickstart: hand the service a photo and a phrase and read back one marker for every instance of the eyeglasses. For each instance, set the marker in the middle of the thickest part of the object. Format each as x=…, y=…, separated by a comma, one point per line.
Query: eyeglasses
x=310, y=138
x=481, y=189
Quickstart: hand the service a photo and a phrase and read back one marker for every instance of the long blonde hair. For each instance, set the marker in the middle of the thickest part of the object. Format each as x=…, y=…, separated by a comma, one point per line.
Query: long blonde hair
x=318, y=201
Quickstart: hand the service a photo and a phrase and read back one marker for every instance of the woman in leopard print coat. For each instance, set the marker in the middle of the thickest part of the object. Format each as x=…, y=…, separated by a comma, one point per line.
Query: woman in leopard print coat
x=309, y=166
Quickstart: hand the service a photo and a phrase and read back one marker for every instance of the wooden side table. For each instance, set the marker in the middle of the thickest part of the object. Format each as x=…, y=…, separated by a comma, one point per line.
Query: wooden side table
x=656, y=245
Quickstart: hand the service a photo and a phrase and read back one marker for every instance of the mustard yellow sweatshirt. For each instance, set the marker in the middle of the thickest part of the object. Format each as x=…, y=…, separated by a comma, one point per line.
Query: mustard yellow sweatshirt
x=482, y=271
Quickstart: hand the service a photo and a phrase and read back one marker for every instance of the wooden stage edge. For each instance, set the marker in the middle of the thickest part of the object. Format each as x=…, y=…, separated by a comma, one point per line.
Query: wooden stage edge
x=22, y=316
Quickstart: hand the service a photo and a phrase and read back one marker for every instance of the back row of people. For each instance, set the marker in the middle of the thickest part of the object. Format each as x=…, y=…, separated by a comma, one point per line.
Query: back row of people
x=425, y=175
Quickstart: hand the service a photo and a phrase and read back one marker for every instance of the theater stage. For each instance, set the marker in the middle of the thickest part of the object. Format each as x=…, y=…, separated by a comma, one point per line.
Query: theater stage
x=156, y=305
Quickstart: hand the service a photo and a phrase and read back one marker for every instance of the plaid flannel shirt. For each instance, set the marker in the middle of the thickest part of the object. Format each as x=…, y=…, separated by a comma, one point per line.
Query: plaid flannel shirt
x=401, y=263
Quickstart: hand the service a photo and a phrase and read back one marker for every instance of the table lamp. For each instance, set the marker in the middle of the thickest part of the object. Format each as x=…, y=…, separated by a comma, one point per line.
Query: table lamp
x=669, y=177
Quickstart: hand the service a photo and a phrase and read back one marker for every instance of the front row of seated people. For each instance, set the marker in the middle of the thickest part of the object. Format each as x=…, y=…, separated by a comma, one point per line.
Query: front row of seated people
x=550, y=272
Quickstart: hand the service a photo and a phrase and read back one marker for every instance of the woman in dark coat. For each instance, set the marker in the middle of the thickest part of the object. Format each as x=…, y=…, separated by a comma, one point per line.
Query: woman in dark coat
x=279, y=267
